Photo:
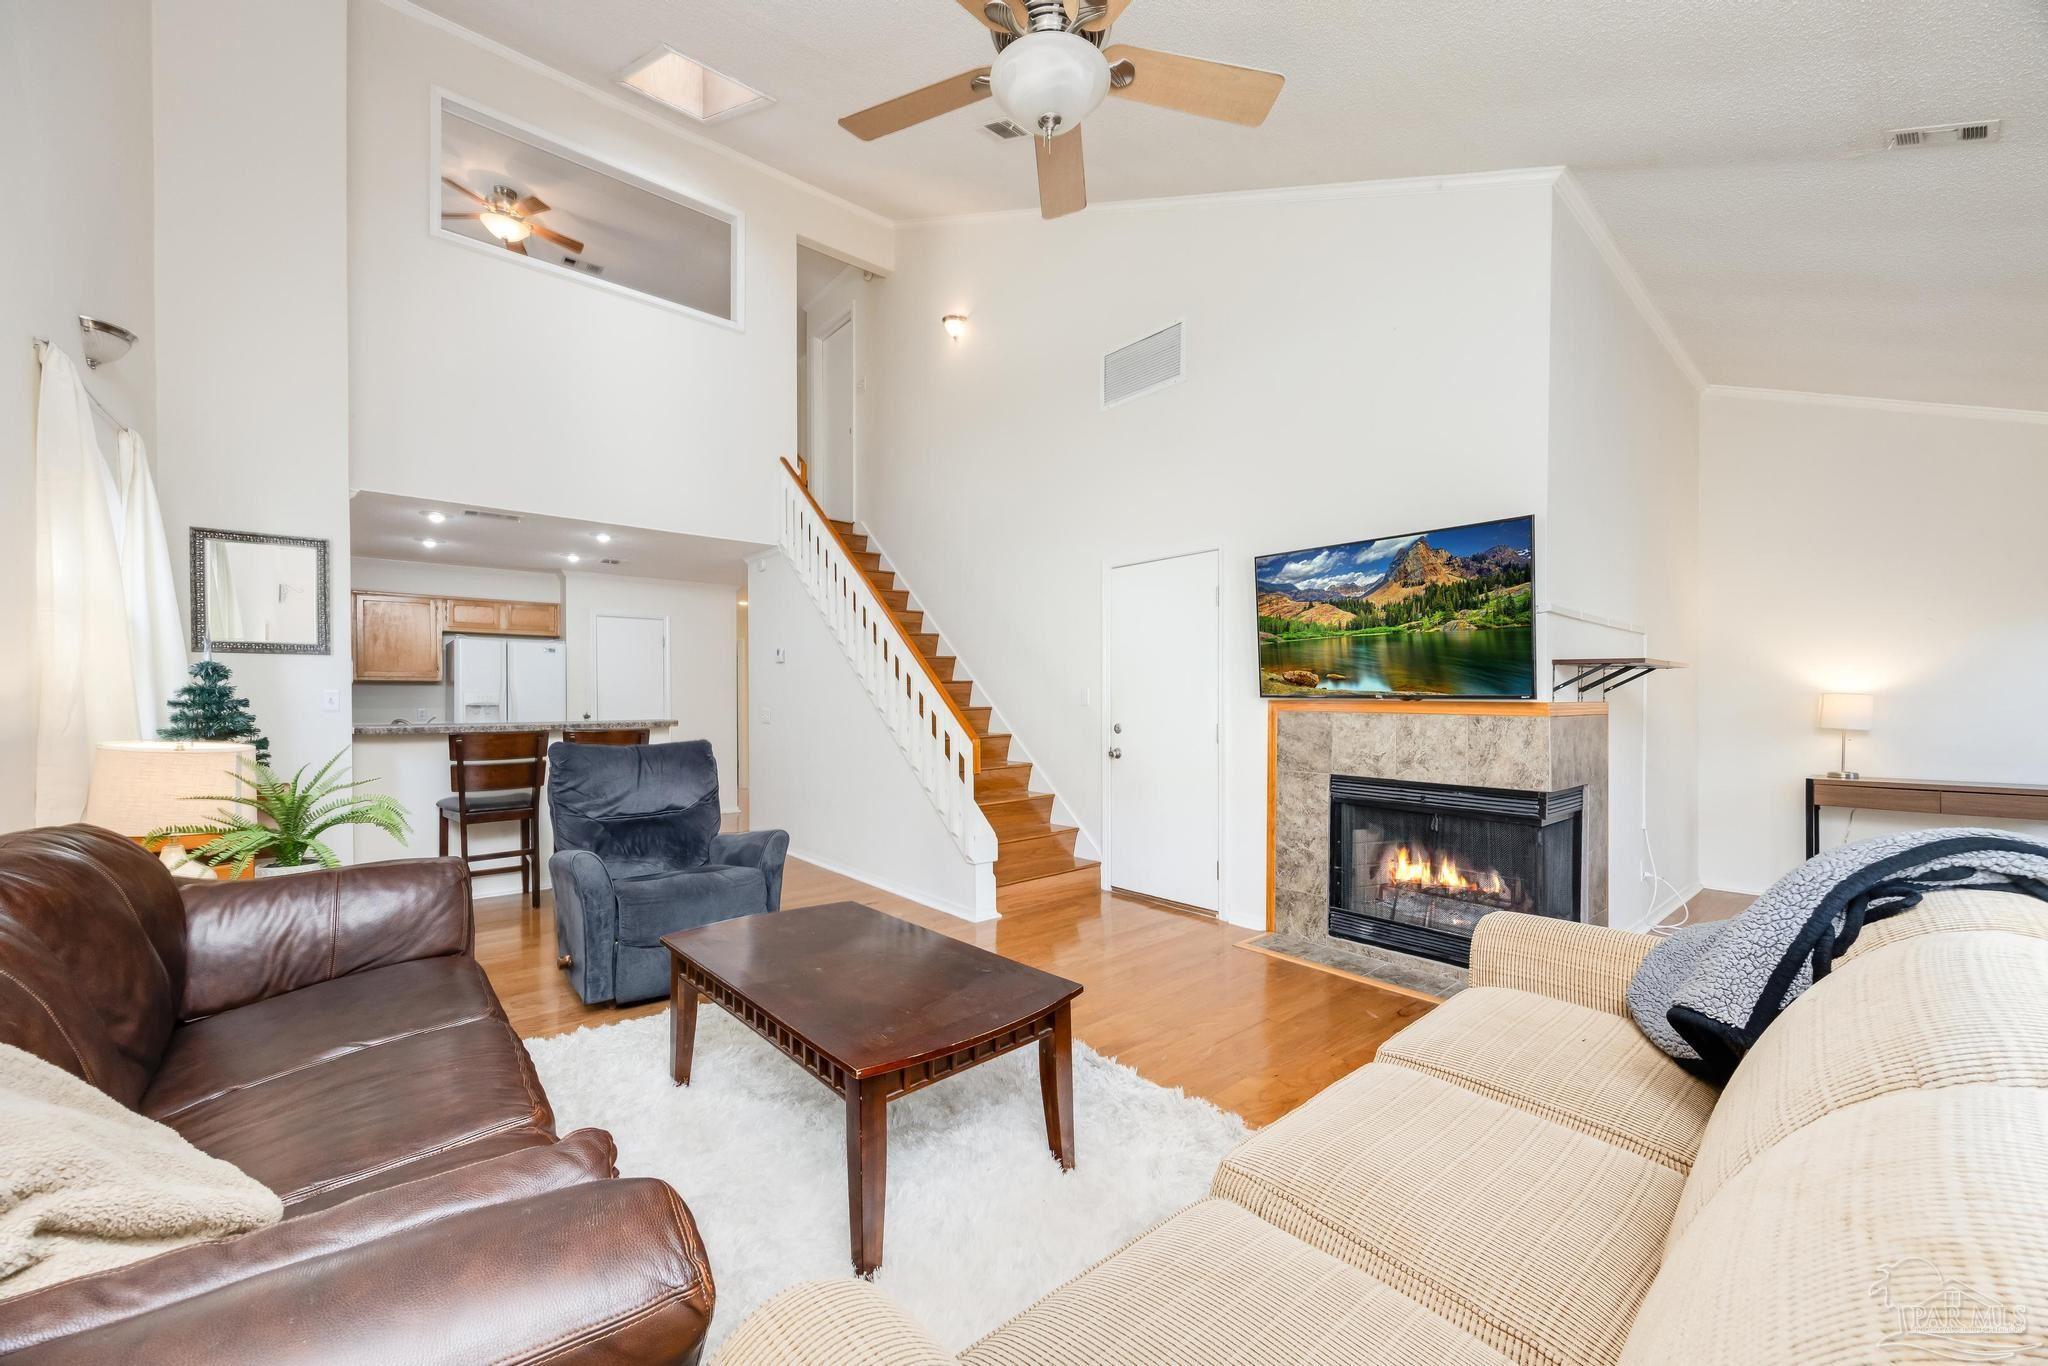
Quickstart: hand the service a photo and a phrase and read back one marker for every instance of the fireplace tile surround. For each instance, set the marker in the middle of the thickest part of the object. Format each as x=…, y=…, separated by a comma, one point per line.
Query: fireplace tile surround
x=1520, y=746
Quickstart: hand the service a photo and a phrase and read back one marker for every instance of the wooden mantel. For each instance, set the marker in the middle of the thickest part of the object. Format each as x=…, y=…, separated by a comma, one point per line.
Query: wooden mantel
x=1427, y=706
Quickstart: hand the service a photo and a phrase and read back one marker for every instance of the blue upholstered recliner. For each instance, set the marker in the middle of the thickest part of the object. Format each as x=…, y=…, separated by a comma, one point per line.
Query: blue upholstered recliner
x=638, y=855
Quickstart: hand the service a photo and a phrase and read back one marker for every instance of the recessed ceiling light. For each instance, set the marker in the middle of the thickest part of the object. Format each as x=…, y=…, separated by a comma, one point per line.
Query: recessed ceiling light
x=429, y=542
x=604, y=538
x=435, y=517
x=573, y=558
x=682, y=83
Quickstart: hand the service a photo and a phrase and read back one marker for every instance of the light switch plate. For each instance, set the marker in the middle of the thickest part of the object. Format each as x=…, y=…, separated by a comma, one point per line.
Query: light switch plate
x=331, y=700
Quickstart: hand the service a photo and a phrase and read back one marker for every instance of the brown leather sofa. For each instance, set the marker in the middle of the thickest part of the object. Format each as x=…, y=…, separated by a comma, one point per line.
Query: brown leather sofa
x=330, y=1034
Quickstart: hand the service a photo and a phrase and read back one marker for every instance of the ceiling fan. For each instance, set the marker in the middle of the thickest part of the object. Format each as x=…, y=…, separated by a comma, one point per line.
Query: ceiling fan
x=509, y=218
x=1051, y=71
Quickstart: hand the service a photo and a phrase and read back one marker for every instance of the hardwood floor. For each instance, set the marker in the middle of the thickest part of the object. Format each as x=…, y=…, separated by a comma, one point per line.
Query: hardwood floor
x=1168, y=993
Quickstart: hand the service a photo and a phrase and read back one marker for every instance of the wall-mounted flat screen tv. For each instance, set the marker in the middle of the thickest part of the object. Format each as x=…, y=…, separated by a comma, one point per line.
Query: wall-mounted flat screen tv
x=1438, y=614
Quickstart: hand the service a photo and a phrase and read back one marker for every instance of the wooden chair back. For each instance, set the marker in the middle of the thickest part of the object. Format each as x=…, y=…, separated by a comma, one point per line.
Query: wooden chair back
x=632, y=736
x=498, y=761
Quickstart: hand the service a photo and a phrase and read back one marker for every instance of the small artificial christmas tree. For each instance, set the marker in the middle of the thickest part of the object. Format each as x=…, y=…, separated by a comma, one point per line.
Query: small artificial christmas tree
x=207, y=709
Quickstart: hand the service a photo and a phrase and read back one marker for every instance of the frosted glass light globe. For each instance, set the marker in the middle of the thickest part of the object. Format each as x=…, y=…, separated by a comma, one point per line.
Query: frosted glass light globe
x=1060, y=75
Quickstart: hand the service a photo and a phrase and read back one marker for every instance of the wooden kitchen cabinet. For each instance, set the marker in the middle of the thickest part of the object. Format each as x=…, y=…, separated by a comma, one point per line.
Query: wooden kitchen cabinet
x=474, y=615
x=531, y=618
x=397, y=638
x=494, y=617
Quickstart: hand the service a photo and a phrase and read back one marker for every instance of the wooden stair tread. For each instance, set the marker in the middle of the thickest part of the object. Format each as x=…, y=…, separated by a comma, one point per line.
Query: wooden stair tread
x=999, y=778
x=1029, y=893
x=1036, y=859
x=1022, y=815
x=947, y=668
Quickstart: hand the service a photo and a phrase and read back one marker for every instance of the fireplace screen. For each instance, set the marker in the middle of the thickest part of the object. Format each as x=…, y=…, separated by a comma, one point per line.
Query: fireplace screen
x=1415, y=865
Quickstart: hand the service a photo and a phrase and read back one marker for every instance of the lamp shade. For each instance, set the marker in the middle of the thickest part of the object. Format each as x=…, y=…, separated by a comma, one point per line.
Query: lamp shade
x=1845, y=711
x=141, y=785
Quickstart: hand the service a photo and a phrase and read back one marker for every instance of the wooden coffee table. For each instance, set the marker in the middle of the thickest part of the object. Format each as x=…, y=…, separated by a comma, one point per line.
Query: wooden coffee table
x=876, y=1008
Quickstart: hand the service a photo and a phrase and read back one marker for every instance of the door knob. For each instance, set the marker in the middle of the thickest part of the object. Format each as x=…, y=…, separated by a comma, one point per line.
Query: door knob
x=1116, y=753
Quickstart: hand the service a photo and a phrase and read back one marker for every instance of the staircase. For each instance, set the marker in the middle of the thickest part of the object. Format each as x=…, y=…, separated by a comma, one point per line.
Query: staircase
x=1032, y=854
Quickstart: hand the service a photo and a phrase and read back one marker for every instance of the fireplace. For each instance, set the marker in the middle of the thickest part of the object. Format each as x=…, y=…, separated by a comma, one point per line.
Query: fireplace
x=1413, y=866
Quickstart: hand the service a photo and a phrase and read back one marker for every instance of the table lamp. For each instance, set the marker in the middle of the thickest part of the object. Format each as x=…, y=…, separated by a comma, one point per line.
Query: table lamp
x=141, y=785
x=1845, y=712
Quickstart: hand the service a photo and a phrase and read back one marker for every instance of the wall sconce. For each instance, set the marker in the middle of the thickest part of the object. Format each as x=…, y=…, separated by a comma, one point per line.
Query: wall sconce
x=955, y=325
x=105, y=342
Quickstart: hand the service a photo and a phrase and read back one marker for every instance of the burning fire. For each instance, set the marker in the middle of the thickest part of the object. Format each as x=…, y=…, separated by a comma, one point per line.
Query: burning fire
x=1406, y=869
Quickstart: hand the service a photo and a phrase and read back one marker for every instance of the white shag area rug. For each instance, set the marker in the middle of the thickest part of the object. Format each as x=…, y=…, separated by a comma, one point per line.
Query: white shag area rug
x=981, y=1221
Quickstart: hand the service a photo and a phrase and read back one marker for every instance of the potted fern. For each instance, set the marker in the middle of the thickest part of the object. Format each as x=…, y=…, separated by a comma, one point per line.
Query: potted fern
x=285, y=820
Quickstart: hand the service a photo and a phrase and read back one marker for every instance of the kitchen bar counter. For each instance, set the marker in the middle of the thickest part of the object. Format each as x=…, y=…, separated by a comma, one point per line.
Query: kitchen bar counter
x=491, y=727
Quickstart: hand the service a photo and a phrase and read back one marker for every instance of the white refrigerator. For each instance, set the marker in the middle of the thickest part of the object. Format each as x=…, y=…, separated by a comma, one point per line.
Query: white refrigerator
x=494, y=679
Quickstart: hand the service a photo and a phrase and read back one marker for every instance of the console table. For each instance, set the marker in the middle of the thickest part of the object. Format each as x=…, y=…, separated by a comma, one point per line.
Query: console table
x=2014, y=801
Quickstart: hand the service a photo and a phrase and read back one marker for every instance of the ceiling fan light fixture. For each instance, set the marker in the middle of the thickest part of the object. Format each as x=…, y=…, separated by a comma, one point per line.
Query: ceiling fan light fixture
x=504, y=226
x=1049, y=81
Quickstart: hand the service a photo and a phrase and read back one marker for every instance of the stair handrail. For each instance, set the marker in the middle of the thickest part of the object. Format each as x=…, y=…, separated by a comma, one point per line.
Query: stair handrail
x=928, y=722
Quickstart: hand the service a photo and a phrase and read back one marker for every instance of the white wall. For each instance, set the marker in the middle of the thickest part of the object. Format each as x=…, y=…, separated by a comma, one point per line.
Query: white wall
x=1851, y=546
x=250, y=101
x=456, y=354
x=823, y=764
x=1360, y=361
x=703, y=639
x=377, y=704
x=75, y=155
x=1621, y=545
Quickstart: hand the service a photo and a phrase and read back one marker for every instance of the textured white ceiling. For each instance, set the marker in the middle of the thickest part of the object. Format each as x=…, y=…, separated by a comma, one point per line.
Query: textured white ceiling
x=1731, y=145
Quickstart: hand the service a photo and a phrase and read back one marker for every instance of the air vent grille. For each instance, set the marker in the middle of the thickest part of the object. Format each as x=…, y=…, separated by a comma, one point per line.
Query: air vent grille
x=1935, y=134
x=493, y=516
x=1145, y=365
x=1002, y=130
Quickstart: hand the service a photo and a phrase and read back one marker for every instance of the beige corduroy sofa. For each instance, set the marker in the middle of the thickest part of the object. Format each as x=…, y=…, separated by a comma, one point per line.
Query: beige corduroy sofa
x=1520, y=1177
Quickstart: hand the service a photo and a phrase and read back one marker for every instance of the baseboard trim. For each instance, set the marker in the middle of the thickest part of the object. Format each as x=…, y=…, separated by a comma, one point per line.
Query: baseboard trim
x=1655, y=915
x=880, y=884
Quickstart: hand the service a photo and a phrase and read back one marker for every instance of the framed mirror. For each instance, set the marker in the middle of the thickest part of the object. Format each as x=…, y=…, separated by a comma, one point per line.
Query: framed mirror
x=258, y=594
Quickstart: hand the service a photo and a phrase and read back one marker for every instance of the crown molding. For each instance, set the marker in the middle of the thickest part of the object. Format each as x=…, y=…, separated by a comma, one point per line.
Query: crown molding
x=621, y=104
x=1287, y=194
x=1890, y=405
x=1573, y=196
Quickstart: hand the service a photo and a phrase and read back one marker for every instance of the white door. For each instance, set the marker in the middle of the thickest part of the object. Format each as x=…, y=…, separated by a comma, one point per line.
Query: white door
x=632, y=668
x=536, y=681
x=1164, y=707
x=830, y=451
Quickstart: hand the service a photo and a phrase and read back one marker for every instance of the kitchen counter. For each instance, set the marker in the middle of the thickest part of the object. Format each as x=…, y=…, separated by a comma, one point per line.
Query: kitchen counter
x=491, y=727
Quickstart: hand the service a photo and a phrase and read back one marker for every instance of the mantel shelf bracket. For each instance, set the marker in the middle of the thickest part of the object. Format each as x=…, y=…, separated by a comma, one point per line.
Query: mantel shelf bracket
x=1605, y=675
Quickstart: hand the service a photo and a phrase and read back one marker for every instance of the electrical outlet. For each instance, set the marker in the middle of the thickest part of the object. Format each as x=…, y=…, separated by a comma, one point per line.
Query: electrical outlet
x=767, y=716
x=419, y=715
x=331, y=700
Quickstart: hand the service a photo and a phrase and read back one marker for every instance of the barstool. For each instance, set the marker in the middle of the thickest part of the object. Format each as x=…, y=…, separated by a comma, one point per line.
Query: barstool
x=498, y=776
x=636, y=736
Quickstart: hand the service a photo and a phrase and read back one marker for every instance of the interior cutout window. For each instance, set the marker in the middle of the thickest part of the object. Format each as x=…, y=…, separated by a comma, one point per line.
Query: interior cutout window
x=505, y=189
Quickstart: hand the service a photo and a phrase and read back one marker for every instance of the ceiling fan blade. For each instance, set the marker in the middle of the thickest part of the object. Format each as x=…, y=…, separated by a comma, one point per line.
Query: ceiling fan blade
x=529, y=206
x=1116, y=10
x=1214, y=90
x=979, y=9
x=942, y=97
x=450, y=217
x=568, y=244
x=519, y=247
x=1062, y=176
x=464, y=191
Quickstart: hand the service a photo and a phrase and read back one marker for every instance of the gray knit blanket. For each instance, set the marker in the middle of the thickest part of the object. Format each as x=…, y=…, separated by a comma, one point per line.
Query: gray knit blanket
x=1706, y=993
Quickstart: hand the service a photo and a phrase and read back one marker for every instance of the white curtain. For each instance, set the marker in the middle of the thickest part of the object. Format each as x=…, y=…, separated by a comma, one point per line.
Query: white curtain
x=85, y=689
x=156, y=645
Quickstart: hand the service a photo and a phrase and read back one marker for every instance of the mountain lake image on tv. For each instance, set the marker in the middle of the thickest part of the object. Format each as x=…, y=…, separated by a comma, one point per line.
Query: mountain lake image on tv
x=1441, y=614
